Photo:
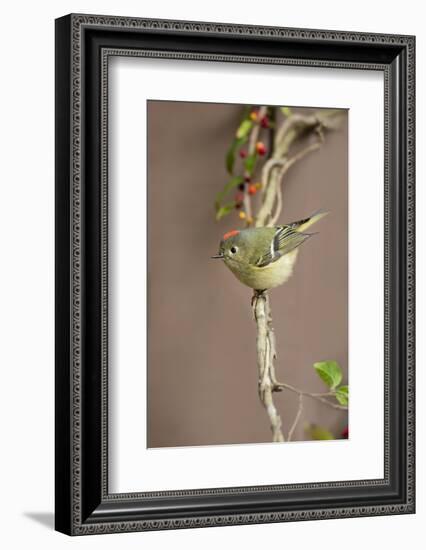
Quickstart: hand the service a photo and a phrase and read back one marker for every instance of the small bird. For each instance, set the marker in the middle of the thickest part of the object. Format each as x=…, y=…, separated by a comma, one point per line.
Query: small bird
x=264, y=257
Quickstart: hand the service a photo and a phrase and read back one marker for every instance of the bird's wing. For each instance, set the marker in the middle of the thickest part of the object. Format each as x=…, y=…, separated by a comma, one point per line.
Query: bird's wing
x=285, y=239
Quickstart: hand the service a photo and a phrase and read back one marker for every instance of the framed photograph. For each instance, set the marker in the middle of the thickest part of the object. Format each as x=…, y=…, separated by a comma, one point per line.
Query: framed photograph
x=234, y=274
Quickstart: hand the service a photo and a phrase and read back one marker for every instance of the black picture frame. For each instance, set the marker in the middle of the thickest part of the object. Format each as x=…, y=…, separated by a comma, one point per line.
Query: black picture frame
x=83, y=46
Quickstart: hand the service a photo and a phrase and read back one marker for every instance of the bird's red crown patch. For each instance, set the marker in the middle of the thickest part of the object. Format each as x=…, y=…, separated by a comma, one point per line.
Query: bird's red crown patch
x=230, y=234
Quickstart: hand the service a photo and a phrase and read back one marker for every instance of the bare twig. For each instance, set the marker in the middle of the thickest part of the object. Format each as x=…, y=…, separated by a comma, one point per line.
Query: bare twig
x=278, y=206
x=287, y=165
x=265, y=344
x=269, y=195
x=267, y=168
x=297, y=418
x=318, y=396
x=329, y=403
x=302, y=154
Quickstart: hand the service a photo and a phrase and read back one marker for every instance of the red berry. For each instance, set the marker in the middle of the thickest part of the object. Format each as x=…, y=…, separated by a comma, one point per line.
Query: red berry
x=252, y=189
x=243, y=153
x=345, y=433
x=264, y=122
x=260, y=148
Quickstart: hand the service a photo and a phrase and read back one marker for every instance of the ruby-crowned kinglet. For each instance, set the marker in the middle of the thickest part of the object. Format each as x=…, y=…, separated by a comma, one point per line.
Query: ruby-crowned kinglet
x=263, y=257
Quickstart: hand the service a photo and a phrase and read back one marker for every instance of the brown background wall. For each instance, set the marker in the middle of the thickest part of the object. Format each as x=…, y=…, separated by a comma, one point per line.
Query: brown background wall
x=202, y=376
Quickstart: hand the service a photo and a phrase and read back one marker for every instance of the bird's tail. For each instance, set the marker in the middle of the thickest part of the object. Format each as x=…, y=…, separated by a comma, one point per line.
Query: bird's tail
x=303, y=225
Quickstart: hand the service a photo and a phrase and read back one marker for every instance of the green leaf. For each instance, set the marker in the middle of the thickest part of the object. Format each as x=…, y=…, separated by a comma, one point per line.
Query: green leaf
x=318, y=433
x=232, y=183
x=342, y=395
x=329, y=372
x=224, y=210
x=236, y=180
x=230, y=158
x=249, y=163
x=244, y=128
x=286, y=111
x=230, y=155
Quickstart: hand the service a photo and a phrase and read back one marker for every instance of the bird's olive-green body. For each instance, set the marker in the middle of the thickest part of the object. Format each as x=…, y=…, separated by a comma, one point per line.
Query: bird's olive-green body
x=262, y=278
x=264, y=257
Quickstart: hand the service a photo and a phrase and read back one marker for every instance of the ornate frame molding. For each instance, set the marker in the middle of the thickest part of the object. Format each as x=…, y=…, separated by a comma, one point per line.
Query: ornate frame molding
x=73, y=504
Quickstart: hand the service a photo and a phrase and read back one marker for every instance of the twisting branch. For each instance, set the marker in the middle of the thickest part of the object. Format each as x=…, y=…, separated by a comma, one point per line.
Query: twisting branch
x=269, y=195
x=278, y=207
x=292, y=129
x=265, y=361
x=287, y=165
x=283, y=136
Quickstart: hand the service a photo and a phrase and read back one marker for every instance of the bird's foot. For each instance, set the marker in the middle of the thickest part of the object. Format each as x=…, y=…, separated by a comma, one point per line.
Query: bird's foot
x=256, y=295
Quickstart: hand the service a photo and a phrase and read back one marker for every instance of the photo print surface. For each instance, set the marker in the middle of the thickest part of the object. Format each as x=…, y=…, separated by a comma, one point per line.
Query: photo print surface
x=247, y=274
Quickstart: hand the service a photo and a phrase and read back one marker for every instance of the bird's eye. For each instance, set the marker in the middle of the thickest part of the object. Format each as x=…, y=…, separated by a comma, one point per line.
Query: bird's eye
x=234, y=250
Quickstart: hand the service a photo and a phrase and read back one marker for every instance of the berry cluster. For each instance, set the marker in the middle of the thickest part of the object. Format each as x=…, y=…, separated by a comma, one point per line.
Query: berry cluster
x=252, y=189
x=248, y=186
x=264, y=121
x=247, y=145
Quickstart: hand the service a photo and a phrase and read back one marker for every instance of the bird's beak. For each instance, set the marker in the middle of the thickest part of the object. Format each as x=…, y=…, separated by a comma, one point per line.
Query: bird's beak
x=218, y=256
